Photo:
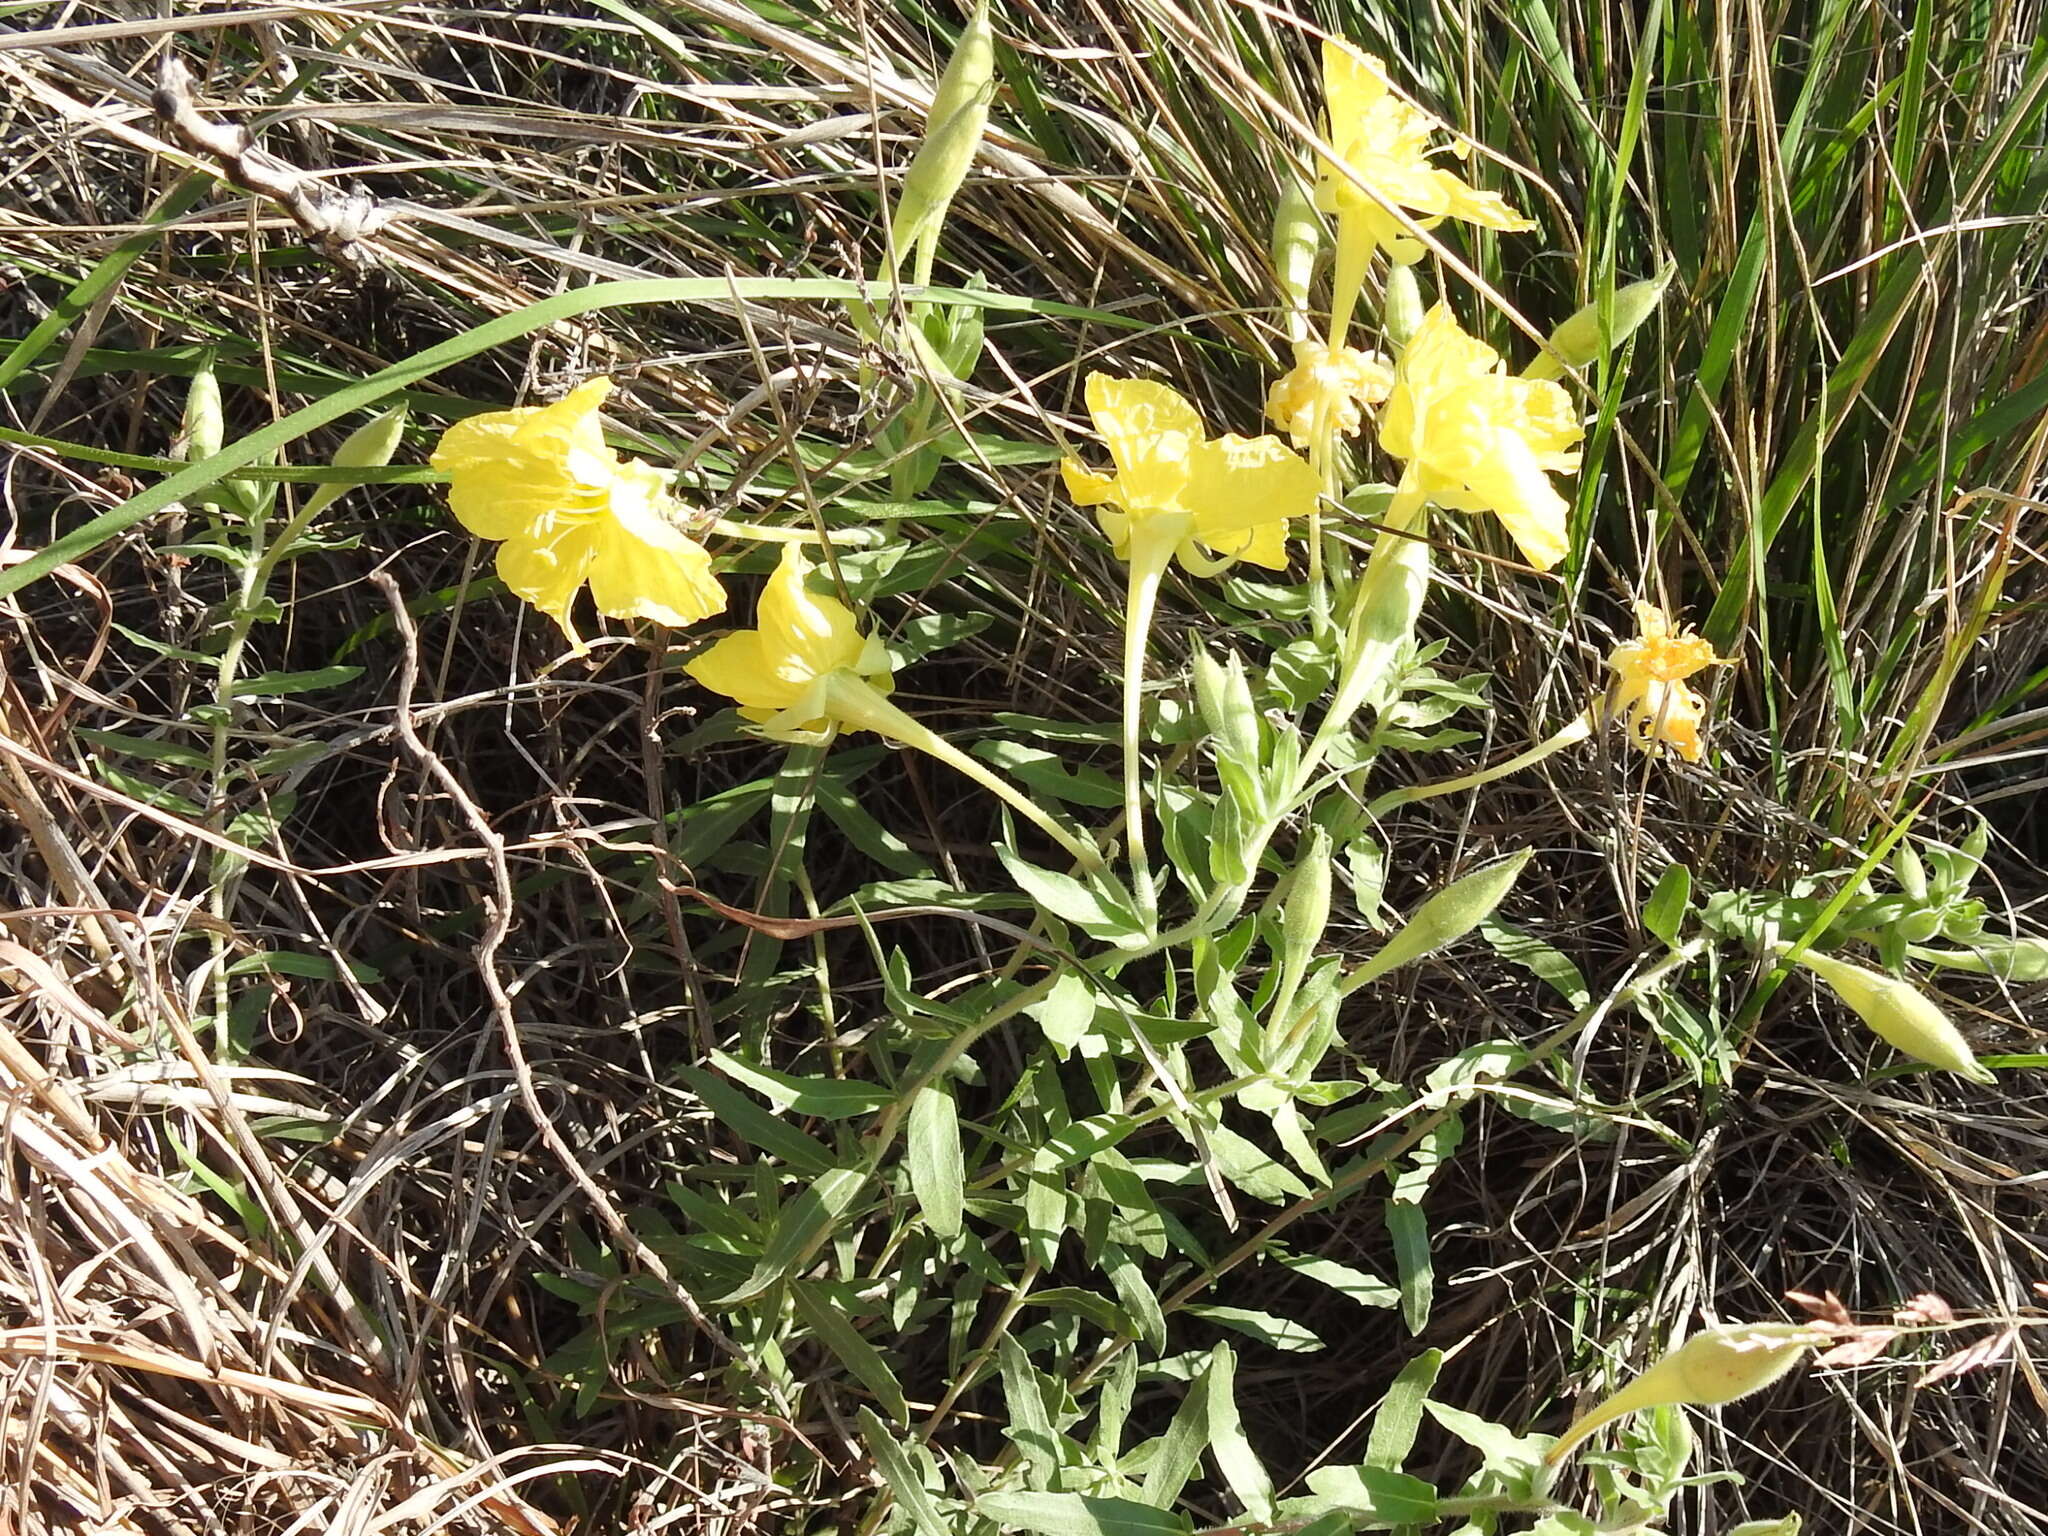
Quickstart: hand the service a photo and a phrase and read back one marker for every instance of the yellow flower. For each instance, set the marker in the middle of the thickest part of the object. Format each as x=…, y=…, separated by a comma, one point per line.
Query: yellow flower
x=569, y=510
x=1649, y=689
x=1235, y=494
x=780, y=674
x=1476, y=439
x=1333, y=383
x=808, y=672
x=1716, y=1365
x=1383, y=141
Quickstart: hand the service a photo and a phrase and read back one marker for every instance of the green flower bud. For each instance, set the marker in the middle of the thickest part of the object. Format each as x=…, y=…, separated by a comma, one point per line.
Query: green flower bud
x=1899, y=1014
x=959, y=115
x=1577, y=342
x=204, y=428
x=1909, y=871
x=1307, y=912
x=1718, y=1365
x=1297, y=241
x=2020, y=959
x=370, y=446
x=1402, y=315
x=1224, y=696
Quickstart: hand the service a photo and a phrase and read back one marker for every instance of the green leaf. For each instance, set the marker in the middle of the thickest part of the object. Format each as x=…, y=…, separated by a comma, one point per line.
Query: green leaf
x=1550, y=966
x=1409, y=1230
x=936, y=1171
x=1275, y=1332
x=1367, y=1290
x=1097, y=1309
x=285, y=962
x=1248, y=1167
x=1078, y=1514
x=1050, y=775
x=828, y=1098
x=1664, y=913
x=1373, y=1494
x=1030, y=1428
x=898, y=1471
x=1400, y=1412
x=800, y=1230
x=1506, y=1453
x=1235, y=1458
x=279, y=684
x=755, y=1126
x=1445, y=918
x=1178, y=1451
x=822, y=1315
x=1105, y=916
x=1067, y=1012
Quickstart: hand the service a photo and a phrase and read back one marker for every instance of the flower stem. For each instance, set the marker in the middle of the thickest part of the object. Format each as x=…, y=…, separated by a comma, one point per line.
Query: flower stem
x=1152, y=543
x=1576, y=731
x=763, y=533
x=852, y=701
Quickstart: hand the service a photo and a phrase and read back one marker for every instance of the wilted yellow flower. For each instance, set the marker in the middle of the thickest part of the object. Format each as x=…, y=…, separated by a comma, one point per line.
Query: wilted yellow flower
x=1717, y=1365
x=1476, y=439
x=1901, y=1015
x=1649, y=690
x=1332, y=384
x=570, y=510
x=782, y=668
x=1383, y=140
x=1235, y=494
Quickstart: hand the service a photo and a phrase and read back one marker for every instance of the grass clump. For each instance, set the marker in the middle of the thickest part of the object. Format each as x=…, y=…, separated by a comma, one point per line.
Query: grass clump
x=1170, y=1006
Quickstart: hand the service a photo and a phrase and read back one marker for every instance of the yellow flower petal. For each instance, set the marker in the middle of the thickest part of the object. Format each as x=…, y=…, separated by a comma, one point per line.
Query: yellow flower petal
x=1241, y=492
x=803, y=636
x=541, y=479
x=1476, y=440
x=1149, y=431
x=1085, y=488
x=1649, y=691
x=548, y=572
x=1383, y=141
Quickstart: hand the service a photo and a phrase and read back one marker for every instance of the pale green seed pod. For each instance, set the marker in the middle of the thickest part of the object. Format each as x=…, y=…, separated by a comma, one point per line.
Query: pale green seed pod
x=1402, y=316
x=959, y=116
x=1901, y=1015
x=1297, y=241
x=1577, y=342
x=1717, y=1365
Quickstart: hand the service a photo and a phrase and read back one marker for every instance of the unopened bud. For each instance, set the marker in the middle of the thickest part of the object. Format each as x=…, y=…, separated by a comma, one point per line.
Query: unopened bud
x=1307, y=912
x=959, y=114
x=1901, y=1015
x=1297, y=241
x=1577, y=343
x=1718, y=1365
x=204, y=427
x=1402, y=316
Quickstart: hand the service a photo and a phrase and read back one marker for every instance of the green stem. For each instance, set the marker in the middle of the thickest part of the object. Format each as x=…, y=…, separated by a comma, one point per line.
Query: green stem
x=725, y=527
x=1152, y=543
x=1576, y=731
x=852, y=701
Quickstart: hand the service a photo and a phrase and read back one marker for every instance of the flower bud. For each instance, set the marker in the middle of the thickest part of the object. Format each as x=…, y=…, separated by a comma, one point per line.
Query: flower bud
x=1307, y=912
x=1577, y=342
x=959, y=114
x=1899, y=1014
x=1402, y=315
x=1909, y=871
x=1718, y=1365
x=1297, y=240
x=204, y=427
x=1223, y=694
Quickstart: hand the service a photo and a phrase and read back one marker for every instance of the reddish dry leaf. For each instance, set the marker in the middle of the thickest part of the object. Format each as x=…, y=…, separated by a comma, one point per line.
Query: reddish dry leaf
x=1825, y=1309
x=1925, y=1308
x=1986, y=1351
x=1860, y=1348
